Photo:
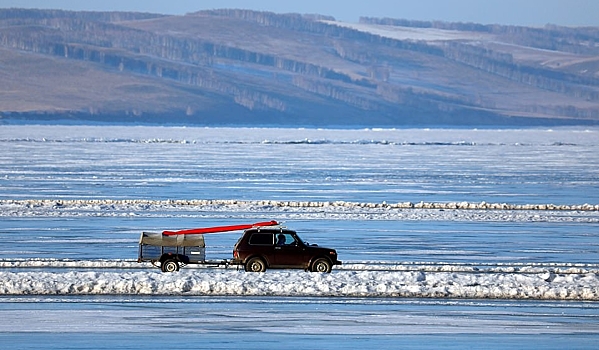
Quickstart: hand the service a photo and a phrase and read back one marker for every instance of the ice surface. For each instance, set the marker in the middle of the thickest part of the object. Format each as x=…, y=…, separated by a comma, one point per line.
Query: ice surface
x=97, y=322
x=530, y=166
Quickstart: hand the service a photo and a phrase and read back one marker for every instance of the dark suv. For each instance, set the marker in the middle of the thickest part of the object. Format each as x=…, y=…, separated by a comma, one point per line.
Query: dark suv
x=262, y=248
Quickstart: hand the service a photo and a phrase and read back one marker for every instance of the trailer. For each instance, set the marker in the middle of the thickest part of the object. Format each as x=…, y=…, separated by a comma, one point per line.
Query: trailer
x=171, y=250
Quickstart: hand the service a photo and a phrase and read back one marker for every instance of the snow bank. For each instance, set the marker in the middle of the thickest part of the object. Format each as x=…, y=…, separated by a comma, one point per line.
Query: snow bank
x=293, y=210
x=411, y=33
x=298, y=283
x=71, y=263
x=291, y=204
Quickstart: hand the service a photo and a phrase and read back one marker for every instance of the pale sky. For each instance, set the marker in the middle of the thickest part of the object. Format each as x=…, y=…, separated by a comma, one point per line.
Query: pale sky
x=517, y=12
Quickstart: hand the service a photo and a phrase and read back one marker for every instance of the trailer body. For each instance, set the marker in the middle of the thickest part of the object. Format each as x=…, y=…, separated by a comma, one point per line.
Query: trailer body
x=186, y=249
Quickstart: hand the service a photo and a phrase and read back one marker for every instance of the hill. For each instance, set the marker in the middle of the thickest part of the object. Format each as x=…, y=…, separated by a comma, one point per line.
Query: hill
x=240, y=67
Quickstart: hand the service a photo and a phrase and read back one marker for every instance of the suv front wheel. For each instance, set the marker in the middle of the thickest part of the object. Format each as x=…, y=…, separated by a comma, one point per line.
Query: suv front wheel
x=321, y=265
x=255, y=264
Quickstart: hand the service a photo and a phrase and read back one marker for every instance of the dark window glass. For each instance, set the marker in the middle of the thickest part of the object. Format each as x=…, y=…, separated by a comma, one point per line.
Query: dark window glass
x=261, y=239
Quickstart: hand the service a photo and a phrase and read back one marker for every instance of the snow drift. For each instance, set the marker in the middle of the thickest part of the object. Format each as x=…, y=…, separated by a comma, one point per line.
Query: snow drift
x=420, y=284
x=293, y=210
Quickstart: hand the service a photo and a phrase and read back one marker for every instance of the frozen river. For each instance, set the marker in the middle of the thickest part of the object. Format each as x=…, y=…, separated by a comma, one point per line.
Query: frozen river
x=73, y=201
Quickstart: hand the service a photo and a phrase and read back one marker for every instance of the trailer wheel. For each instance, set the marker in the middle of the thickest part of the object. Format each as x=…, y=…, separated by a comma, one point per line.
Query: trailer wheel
x=321, y=265
x=169, y=265
x=255, y=265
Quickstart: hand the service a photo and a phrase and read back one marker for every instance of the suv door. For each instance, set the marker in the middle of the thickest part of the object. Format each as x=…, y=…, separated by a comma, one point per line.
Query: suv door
x=289, y=251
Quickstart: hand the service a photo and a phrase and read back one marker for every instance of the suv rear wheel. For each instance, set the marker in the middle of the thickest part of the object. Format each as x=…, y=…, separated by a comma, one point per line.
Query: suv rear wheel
x=255, y=264
x=321, y=265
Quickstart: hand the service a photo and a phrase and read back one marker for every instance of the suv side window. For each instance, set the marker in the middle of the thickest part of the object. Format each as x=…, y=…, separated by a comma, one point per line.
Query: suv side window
x=286, y=239
x=261, y=239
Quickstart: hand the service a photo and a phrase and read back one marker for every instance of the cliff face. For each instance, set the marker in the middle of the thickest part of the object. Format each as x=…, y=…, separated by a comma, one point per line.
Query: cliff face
x=241, y=67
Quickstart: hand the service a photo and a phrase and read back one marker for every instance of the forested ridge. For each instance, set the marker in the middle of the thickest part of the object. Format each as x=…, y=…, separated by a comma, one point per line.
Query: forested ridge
x=225, y=67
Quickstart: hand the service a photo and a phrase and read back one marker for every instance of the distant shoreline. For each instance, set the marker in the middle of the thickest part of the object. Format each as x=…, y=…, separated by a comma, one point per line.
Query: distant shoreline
x=516, y=123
